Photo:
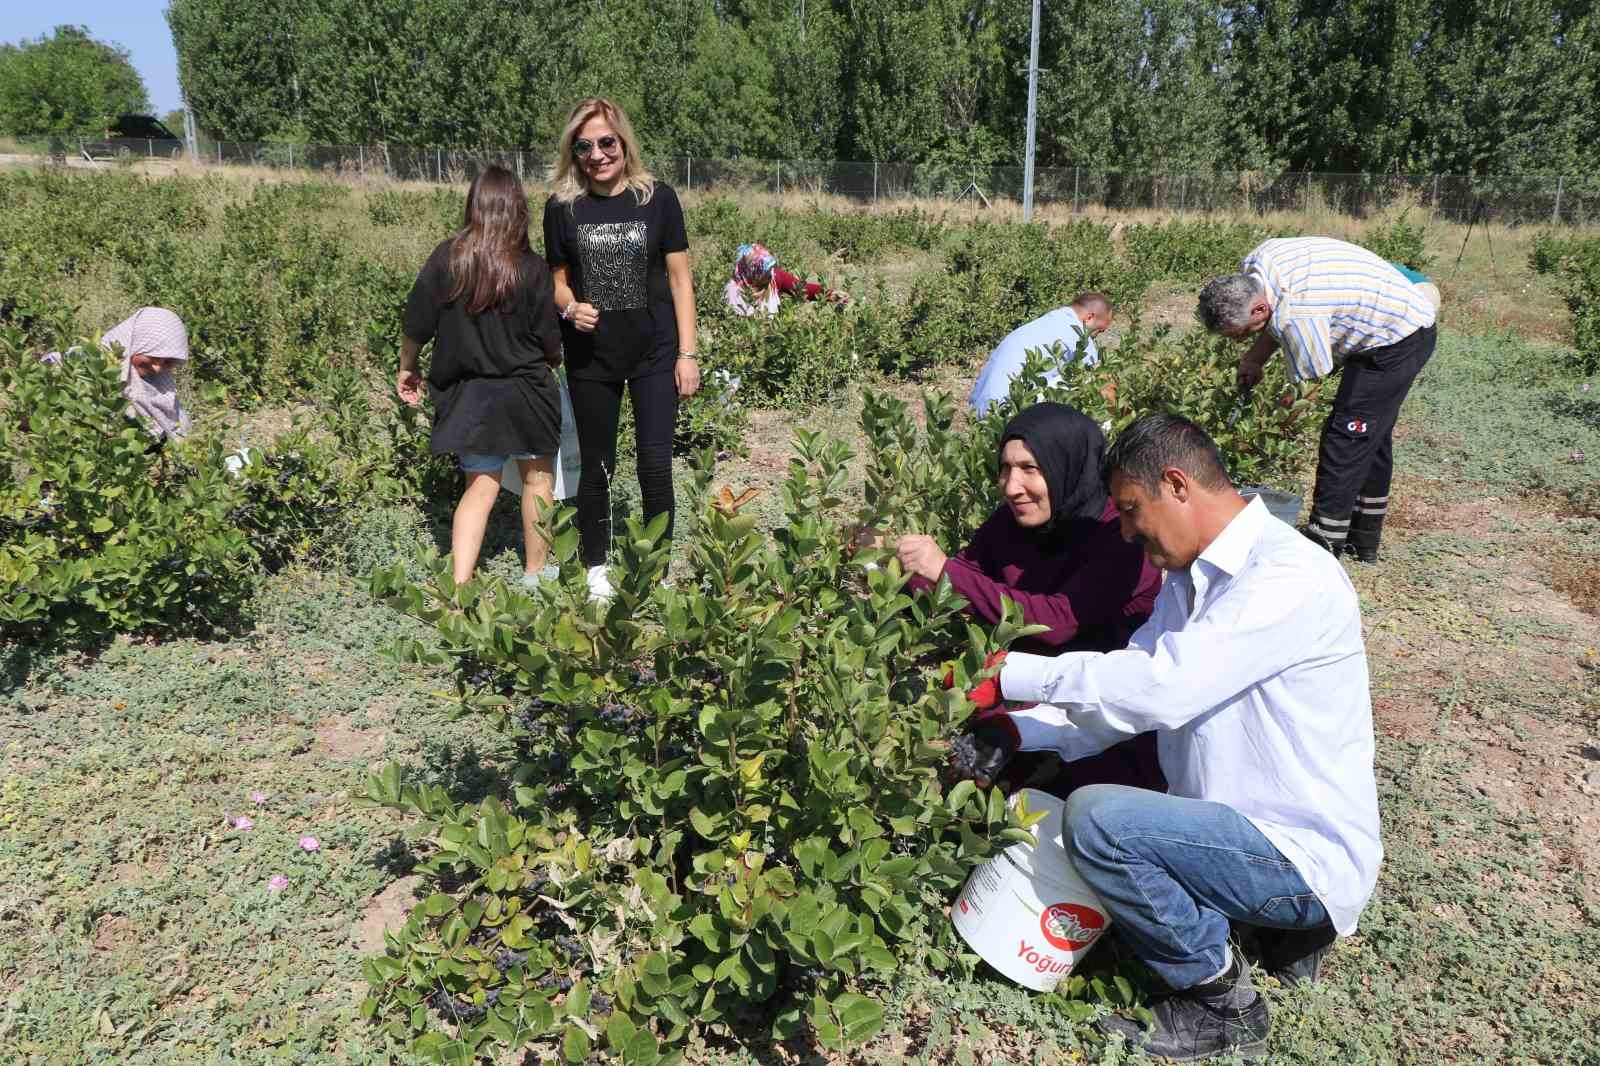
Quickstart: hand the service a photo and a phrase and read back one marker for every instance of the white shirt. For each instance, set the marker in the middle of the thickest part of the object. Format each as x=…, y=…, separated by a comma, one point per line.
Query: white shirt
x=1259, y=695
x=1061, y=326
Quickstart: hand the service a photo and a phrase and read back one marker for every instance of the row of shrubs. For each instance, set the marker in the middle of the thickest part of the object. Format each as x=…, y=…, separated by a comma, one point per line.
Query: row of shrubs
x=284, y=306
x=1575, y=264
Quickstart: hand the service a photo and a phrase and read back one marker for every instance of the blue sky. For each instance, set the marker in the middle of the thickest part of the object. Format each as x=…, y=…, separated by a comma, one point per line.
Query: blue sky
x=140, y=26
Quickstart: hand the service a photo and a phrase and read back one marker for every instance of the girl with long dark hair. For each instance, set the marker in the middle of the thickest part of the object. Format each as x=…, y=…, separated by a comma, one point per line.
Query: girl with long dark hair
x=620, y=257
x=485, y=299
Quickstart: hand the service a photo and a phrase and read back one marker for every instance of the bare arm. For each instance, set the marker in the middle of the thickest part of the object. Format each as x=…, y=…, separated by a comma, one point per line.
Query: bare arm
x=681, y=281
x=408, y=383
x=585, y=316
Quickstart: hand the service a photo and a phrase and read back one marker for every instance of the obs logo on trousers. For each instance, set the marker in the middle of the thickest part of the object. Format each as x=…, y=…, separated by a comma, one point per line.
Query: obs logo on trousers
x=1069, y=926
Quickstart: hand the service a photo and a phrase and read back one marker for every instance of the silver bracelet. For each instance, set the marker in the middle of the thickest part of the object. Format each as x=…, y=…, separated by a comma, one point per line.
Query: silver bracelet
x=688, y=355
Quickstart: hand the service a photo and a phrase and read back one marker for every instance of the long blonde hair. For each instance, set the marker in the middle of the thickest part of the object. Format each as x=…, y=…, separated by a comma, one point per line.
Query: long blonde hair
x=570, y=182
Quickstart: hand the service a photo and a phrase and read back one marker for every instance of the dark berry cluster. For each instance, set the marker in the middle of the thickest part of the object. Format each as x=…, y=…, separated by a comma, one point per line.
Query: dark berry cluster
x=568, y=946
x=622, y=718
x=600, y=1003
x=457, y=1009
x=473, y=672
x=551, y=982
x=505, y=959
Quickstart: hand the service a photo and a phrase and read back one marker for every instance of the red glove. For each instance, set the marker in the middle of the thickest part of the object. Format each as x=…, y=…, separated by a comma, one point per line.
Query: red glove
x=986, y=694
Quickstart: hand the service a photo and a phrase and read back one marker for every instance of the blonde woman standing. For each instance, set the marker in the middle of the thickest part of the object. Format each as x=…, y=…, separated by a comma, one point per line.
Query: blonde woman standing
x=619, y=255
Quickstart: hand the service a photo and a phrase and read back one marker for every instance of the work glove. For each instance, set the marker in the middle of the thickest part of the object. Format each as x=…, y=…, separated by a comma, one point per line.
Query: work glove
x=985, y=695
x=982, y=753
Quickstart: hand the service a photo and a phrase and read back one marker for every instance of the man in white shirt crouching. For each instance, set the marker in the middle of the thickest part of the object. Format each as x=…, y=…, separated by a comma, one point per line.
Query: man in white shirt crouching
x=1253, y=674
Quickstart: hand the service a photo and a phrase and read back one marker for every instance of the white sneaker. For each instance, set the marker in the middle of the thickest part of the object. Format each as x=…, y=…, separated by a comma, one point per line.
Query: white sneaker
x=600, y=588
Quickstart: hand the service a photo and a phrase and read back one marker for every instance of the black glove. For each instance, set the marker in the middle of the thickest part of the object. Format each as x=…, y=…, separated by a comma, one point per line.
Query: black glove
x=982, y=753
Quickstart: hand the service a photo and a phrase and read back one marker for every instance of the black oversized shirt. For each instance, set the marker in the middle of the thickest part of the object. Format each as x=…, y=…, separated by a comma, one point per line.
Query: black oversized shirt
x=491, y=375
x=615, y=251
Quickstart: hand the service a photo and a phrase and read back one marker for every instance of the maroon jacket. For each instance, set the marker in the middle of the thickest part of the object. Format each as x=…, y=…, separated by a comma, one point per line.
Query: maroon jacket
x=1091, y=587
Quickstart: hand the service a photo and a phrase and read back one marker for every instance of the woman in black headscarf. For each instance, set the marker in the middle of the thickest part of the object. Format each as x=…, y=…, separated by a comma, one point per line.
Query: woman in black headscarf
x=1054, y=548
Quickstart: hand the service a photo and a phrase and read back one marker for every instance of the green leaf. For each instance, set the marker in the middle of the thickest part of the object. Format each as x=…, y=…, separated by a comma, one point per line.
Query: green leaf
x=575, y=1044
x=859, y=1017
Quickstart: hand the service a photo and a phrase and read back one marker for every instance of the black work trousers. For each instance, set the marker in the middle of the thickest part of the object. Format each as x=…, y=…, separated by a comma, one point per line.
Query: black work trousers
x=596, y=408
x=1355, y=462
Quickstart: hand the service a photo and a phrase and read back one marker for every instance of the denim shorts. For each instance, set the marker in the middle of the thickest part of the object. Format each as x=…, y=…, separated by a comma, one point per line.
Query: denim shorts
x=475, y=463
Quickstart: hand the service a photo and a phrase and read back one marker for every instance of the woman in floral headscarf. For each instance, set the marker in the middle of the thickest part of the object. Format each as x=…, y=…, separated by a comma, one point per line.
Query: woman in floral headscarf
x=757, y=283
x=153, y=342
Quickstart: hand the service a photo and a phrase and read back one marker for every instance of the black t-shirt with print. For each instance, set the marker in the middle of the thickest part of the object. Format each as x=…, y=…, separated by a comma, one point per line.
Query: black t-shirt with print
x=615, y=252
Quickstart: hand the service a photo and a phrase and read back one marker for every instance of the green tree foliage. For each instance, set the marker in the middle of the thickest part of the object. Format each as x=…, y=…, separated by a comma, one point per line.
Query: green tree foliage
x=66, y=82
x=1161, y=85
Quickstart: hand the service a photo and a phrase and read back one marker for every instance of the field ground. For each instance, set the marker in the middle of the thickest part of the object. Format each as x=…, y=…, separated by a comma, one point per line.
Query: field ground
x=138, y=926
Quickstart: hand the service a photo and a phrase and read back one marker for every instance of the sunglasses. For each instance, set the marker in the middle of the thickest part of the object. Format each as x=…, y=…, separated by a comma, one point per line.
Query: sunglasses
x=582, y=148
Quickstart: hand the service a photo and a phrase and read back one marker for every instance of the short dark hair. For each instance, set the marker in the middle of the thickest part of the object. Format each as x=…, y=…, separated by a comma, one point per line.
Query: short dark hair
x=1093, y=302
x=1152, y=443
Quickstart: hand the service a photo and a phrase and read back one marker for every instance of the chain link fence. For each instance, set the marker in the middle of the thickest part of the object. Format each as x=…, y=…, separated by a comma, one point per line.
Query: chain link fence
x=1508, y=199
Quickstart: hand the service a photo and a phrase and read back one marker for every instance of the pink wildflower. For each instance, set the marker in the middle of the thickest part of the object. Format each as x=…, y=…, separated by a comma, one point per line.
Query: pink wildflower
x=310, y=843
x=277, y=883
x=243, y=822
x=258, y=798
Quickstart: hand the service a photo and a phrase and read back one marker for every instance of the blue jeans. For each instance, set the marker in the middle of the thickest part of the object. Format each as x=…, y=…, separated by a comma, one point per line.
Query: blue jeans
x=477, y=463
x=1173, y=872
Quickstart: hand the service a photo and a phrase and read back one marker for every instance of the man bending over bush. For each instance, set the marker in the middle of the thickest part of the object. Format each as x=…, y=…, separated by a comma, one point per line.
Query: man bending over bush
x=1329, y=304
x=1253, y=675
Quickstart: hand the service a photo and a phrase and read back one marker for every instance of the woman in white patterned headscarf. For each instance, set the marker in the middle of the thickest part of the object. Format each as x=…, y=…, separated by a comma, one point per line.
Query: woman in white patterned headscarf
x=153, y=342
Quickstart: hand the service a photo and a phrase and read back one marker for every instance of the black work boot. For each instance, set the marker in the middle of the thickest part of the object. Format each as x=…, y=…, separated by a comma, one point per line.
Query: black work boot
x=1290, y=955
x=1210, y=1019
x=1366, y=529
x=1321, y=540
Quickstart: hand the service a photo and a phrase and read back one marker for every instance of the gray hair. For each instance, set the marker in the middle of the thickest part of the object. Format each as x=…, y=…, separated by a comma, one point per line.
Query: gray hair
x=1225, y=302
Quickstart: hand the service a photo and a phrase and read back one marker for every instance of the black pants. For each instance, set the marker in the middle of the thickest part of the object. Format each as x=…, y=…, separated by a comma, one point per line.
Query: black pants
x=1356, y=460
x=596, y=407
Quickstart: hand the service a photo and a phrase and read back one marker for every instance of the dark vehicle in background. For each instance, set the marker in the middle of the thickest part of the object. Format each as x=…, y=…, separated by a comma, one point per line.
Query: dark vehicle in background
x=134, y=136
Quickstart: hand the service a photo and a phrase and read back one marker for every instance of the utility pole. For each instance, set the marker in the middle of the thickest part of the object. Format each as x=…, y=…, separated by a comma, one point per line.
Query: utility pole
x=1033, y=115
x=190, y=140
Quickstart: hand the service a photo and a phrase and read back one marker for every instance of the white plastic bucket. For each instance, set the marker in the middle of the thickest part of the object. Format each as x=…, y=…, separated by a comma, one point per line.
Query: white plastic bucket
x=1026, y=911
x=1284, y=506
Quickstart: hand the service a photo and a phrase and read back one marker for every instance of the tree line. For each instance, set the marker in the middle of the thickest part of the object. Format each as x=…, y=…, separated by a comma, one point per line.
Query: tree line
x=1414, y=86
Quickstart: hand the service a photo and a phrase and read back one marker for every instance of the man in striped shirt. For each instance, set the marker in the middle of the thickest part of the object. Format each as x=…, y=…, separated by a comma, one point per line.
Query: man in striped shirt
x=1326, y=303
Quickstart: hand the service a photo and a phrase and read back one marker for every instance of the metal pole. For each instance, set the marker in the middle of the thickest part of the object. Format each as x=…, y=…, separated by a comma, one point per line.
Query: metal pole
x=780, y=177
x=149, y=148
x=291, y=157
x=1033, y=115
x=191, y=140
x=361, y=158
x=1075, y=190
x=874, y=181
x=219, y=153
x=1436, y=192
x=1555, y=215
x=688, y=173
x=438, y=164
x=1183, y=195
x=1305, y=196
